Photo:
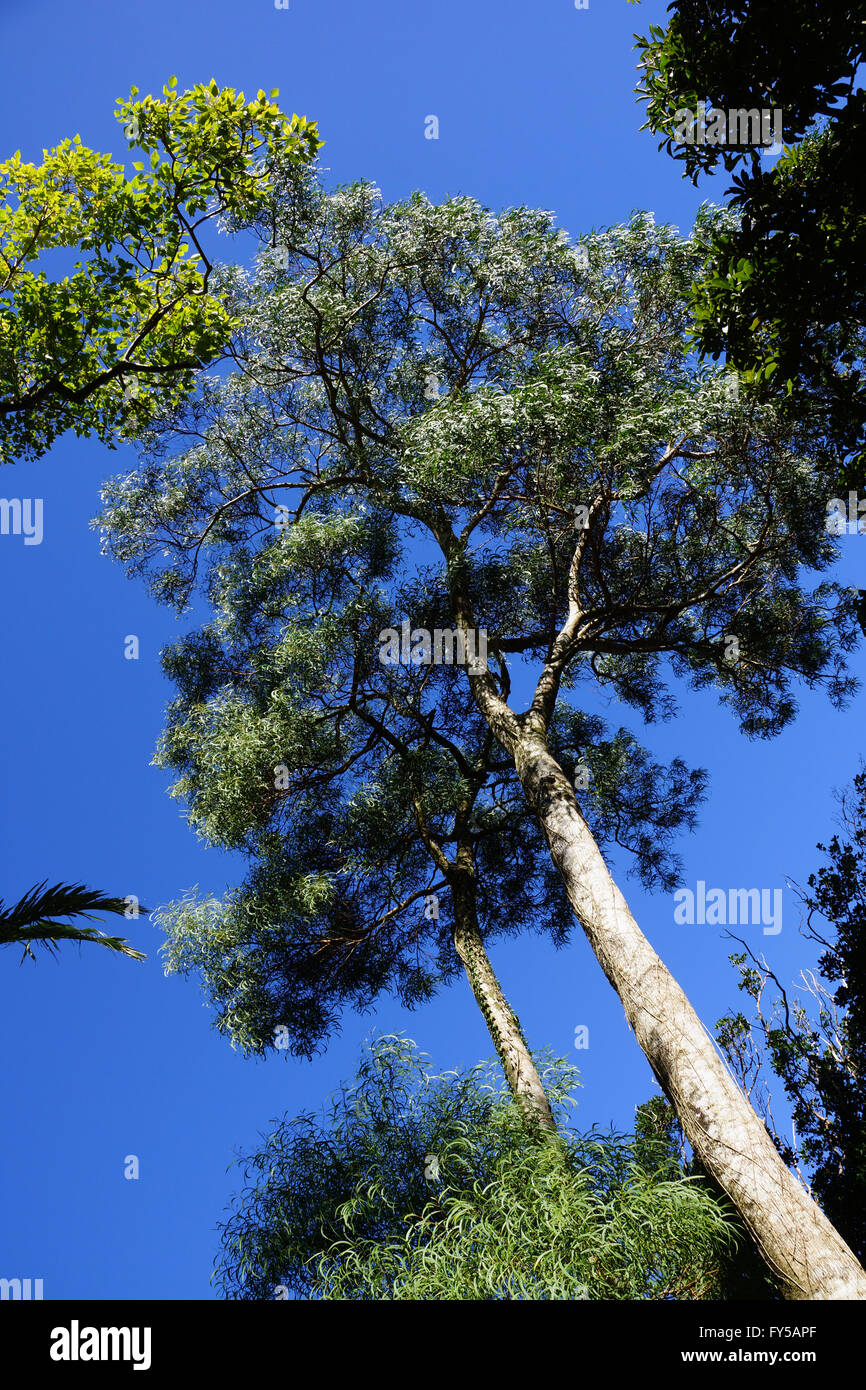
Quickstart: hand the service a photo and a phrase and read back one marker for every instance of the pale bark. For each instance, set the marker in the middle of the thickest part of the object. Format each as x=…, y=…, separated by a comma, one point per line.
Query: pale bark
x=801, y=1247
x=502, y=1023
x=806, y=1254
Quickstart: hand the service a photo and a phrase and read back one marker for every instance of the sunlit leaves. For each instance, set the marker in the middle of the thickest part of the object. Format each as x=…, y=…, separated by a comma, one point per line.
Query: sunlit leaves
x=341, y=1207
x=114, y=341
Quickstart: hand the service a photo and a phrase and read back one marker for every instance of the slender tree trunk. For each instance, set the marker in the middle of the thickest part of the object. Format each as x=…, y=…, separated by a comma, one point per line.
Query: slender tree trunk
x=502, y=1022
x=801, y=1247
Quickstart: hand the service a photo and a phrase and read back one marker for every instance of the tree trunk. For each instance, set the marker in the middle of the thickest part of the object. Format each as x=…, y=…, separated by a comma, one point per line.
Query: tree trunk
x=502, y=1022
x=801, y=1247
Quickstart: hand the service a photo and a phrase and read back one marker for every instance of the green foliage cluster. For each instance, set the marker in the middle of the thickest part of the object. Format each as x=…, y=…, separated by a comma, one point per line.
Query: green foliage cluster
x=352, y=1207
x=784, y=293
x=116, y=341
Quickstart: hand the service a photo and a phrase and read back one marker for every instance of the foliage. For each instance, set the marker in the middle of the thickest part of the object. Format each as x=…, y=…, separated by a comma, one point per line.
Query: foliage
x=784, y=293
x=325, y=490
x=352, y=1207
x=32, y=918
x=103, y=349
x=742, y=1275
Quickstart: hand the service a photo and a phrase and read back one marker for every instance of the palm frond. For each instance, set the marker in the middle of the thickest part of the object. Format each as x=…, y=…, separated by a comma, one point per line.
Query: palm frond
x=32, y=918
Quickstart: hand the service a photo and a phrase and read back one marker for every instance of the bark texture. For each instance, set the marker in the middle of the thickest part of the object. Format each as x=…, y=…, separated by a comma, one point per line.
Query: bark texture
x=801, y=1247
x=502, y=1022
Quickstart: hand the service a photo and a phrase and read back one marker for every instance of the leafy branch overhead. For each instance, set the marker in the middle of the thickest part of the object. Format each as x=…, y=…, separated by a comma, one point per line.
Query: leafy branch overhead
x=783, y=296
x=115, y=340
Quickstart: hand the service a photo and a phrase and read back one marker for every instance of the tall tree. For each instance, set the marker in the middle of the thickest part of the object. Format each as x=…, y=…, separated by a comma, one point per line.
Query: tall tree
x=559, y=474
x=783, y=296
x=388, y=838
x=417, y=1185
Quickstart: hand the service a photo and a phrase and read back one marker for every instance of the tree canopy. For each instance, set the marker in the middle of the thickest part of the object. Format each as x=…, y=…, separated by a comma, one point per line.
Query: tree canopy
x=783, y=296
x=115, y=339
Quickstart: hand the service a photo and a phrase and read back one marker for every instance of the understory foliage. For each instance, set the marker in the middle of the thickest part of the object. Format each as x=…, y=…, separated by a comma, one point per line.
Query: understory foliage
x=353, y=1206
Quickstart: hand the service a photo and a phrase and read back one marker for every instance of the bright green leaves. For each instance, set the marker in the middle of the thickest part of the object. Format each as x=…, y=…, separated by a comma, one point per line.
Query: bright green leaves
x=116, y=340
x=214, y=138
x=351, y=1207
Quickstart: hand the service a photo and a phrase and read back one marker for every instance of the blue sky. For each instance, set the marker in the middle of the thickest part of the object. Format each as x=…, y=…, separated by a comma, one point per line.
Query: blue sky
x=103, y=1057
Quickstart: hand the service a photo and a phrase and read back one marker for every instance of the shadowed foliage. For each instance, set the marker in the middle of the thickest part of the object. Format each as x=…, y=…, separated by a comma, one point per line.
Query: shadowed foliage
x=32, y=918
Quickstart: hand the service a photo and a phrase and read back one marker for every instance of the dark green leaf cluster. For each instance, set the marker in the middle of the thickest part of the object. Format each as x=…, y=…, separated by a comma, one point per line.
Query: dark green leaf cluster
x=784, y=294
x=34, y=918
x=739, y=55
